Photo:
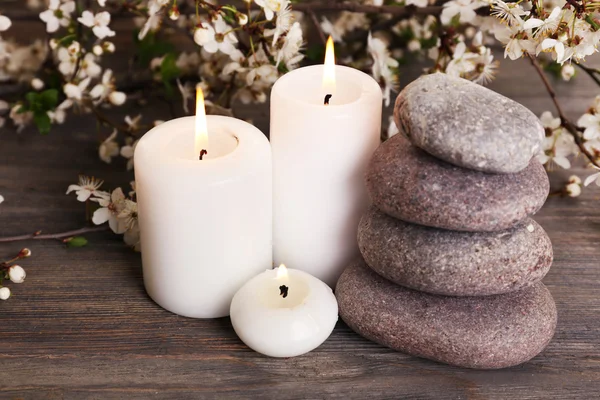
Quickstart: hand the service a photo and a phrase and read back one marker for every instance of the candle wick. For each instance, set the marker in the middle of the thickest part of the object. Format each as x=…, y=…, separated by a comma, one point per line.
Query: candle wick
x=283, y=291
x=203, y=152
x=327, y=97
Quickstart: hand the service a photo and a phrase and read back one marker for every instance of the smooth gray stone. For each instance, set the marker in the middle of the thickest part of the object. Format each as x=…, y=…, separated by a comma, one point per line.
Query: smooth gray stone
x=486, y=332
x=467, y=124
x=407, y=183
x=454, y=263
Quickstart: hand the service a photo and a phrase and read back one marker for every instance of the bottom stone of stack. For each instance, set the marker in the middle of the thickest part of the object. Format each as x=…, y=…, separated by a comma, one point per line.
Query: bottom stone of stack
x=488, y=332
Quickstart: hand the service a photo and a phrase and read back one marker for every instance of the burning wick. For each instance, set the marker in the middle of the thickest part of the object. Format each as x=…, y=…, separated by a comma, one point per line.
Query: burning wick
x=203, y=152
x=283, y=291
x=327, y=97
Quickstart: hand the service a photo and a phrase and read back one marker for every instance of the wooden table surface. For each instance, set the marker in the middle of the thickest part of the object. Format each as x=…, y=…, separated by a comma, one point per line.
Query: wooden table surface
x=82, y=326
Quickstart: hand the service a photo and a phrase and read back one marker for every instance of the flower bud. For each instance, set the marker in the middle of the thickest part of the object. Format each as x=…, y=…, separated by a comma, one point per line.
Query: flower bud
x=24, y=253
x=567, y=72
x=16, y=274
x=98, y=50
x=37, y=84
x=573, y=189
x=109, y=47
x=242, y=19
x=117, y=98
x=4, y=293
x=174, y=13
x=53, y=44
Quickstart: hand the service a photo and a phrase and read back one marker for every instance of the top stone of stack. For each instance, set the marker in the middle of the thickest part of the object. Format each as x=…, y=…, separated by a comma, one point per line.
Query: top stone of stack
x=468, y=125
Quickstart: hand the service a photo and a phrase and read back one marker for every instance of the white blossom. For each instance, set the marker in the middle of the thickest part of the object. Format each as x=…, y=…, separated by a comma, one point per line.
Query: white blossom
x=271, y=7
x=98, y=23
x=558, y=145
x=464, y=8
x=57, y=15
x=216, y=36
x=4, y=293
x=109, y=148
x=76, y=92
x=106, y=90
x=20, y=119
x=517, y=41
x=16, y=274
x=593, y=178
x=289, y=52
x=110, y=208
x=154, y=17
x=127, y=152
x=87, y=187
x=59, y=114
x=591, y=123
x=283, y=23
x=544, y=26
x=383, y=65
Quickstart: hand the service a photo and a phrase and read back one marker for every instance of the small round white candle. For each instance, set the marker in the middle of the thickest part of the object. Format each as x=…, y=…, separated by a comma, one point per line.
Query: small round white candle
x=284, y=312
x=320, y=154
x=205, y=224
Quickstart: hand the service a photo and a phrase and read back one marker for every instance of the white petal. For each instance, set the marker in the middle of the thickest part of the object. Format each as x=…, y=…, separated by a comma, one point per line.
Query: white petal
x=532, y=23
x=97, y=91
x=83, y=195
x=87, y=18
x=562, y=162
x=103, y=18
x=591, y=178
x=72, y=188
x=548, y=43
x=72, y=91
x=101, y=215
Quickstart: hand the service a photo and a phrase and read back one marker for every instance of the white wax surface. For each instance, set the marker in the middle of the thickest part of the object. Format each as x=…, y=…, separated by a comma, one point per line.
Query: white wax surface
x=320, y=154
x=284, y=327
x=205, y=225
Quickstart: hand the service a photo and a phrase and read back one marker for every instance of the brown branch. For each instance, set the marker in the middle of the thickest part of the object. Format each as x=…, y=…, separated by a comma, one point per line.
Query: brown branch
x=38, y=235
x=565, y=122
x=365, y=8
x=315, y=21
x=590, y=71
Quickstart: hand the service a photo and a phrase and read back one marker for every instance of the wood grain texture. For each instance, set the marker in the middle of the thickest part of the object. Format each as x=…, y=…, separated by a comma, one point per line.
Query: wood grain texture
x=82, y=326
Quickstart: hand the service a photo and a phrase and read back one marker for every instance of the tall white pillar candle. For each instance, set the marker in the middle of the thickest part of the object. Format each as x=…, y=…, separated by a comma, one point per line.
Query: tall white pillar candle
x=320, y=154
x=205, y=224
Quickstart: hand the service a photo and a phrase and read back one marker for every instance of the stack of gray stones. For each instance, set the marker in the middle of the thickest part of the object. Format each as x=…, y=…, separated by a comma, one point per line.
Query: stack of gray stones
x=452, y=263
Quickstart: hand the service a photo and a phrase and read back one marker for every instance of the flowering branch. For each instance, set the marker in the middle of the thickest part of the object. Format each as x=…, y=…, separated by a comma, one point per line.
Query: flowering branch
x=400, y=11
x=565, y=122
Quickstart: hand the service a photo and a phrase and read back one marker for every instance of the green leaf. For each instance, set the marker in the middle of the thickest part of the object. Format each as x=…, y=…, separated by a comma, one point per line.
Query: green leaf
x=150, y=47
x=48, y=99
x=316, y=53
x=42, y=121
x=76, y=241
x=168, y=72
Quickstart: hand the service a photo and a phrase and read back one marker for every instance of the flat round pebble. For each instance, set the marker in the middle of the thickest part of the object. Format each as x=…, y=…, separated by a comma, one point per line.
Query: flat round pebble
x=467, y=124
x=409, y=184
x=454, y=263
x=486, y=332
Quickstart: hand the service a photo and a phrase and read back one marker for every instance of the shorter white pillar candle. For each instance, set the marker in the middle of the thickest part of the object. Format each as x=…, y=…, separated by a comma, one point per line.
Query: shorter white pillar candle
x=205, y=224
x=284, y=312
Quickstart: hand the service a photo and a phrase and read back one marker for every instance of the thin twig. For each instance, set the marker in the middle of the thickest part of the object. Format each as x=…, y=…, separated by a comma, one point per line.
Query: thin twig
x=590, y=71
x=38, y=236
x=317, y=25
x=365, y=8
x=569, y=126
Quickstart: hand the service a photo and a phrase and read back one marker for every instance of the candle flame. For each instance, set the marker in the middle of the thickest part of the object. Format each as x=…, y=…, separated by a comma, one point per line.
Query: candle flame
x=282, y=272
x=329, y=68
x=201, y=138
